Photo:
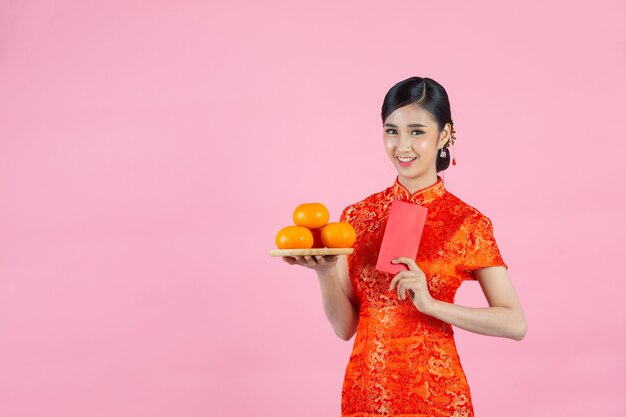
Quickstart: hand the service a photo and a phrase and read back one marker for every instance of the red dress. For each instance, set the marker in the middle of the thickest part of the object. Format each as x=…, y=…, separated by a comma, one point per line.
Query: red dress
x=404, y=362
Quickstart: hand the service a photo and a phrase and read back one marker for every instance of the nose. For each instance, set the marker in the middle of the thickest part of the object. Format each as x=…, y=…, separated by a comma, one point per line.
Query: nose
x=405, y=142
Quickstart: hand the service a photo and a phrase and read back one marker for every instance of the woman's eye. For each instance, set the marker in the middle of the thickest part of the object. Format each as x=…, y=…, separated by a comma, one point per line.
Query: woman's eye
x=393, y=132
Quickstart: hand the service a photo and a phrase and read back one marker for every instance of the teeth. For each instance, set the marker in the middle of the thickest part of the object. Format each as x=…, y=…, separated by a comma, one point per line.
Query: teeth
x=405, y=159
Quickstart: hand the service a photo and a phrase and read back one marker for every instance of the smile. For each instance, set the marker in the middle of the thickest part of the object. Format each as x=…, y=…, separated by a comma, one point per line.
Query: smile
x=405, y=162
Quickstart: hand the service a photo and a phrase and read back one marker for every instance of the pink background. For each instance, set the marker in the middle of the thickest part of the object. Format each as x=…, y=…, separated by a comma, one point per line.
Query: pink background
x=150, y=151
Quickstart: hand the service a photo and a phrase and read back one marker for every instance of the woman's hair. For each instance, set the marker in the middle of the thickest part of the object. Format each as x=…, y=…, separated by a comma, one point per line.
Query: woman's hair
x=428, y=94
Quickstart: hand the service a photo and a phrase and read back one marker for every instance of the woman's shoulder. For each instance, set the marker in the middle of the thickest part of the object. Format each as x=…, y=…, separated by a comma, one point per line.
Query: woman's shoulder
x=369, y=203
x=462, y=209
x=455, y=208
x=366, y=209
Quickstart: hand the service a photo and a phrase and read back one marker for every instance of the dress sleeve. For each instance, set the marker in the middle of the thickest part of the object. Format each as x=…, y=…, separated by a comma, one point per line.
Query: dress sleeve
x=482, y=249
x=345, y=217
x=342, y=218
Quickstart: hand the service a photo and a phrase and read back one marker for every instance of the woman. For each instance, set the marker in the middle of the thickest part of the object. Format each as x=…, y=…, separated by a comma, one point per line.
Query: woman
x=404, y=359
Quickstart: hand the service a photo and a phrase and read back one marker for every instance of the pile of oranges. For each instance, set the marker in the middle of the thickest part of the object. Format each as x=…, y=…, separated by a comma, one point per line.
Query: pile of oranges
x=312, y=230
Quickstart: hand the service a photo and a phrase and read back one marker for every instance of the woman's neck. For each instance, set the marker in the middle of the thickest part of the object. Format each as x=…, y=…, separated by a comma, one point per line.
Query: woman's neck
x=415, y=184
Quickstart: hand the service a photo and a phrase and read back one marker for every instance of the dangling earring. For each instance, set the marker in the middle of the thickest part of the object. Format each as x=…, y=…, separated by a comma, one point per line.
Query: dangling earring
x=452, y=138
x=443, y=152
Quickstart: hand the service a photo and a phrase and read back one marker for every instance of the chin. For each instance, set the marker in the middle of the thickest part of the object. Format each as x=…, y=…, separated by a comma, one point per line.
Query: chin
x=413, y=172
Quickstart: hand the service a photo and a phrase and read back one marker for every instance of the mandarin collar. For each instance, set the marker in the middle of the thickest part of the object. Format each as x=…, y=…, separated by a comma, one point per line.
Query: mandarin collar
x=424, y=195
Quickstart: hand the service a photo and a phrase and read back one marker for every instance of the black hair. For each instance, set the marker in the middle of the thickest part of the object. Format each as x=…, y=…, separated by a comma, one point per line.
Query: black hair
x=428, y=94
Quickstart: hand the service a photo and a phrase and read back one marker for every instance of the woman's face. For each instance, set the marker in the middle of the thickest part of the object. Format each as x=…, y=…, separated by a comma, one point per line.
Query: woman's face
x=412, y=132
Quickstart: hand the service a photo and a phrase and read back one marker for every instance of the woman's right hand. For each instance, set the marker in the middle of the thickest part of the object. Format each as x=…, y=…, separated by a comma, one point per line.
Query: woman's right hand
x=316, y=262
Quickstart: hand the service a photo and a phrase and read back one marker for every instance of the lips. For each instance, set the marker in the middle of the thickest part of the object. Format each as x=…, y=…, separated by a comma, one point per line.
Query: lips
x=406, y=163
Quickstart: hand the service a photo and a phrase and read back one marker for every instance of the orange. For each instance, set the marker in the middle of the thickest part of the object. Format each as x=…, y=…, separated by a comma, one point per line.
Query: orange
x=338, y=235
x=311, y=215
x=294, y=237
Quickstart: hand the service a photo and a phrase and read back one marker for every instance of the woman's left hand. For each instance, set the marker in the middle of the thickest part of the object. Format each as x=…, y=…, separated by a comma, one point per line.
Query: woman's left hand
x=413, y=280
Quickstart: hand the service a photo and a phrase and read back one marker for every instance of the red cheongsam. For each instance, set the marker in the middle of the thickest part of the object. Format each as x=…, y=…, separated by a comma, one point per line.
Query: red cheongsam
x=404, y=362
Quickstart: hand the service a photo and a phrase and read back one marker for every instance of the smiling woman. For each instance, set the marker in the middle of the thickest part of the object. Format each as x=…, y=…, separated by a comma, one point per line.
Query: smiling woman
x=404, y=360
x=418, y=126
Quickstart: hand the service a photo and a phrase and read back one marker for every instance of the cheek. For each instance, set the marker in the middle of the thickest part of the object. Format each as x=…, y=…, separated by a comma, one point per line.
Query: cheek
x=390, y=143
x=423, y=145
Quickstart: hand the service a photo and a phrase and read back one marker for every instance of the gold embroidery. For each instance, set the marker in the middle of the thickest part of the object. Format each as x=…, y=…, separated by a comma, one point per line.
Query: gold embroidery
x=405, y=362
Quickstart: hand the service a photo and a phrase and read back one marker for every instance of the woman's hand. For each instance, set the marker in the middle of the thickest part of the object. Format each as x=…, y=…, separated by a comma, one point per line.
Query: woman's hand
x=413, y=280
x=316, y=262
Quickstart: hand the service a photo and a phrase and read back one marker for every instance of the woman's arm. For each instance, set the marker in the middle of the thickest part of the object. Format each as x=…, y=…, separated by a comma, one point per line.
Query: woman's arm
x=503, y=318
x=337, y=297
x=337, y=294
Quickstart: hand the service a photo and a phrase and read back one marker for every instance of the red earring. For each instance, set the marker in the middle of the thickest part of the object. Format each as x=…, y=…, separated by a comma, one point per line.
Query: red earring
x=453, y=152
x=453, y=158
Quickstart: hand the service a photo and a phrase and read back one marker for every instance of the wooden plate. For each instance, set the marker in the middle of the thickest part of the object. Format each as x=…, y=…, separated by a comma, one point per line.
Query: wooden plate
x=315, y=251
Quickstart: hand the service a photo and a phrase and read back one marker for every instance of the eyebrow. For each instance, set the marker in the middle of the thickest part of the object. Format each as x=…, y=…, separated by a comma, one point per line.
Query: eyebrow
x=411, y=125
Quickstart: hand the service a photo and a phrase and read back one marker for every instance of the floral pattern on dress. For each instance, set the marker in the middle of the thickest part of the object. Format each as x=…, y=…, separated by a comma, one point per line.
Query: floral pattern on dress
x=404, y=362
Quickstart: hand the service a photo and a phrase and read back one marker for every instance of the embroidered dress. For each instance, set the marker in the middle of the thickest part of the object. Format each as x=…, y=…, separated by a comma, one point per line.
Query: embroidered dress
x=404, y=362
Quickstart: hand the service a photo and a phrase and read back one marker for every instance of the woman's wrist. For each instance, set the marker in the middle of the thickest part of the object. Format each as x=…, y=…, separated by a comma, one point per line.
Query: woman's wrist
x=433, y=308
x=326, y=271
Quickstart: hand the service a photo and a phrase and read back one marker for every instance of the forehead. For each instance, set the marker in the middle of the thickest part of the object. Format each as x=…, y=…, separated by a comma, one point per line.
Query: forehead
x=411, y=113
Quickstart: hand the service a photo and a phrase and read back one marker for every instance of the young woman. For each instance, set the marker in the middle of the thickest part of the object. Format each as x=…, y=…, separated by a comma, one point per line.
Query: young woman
x=404, y=361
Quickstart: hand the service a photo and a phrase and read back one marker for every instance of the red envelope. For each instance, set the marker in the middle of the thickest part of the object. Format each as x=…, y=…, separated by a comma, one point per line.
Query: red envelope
x=402, y=235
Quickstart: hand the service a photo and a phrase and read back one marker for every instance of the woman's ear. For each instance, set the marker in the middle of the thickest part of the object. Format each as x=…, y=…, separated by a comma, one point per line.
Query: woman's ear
x=445, y=136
